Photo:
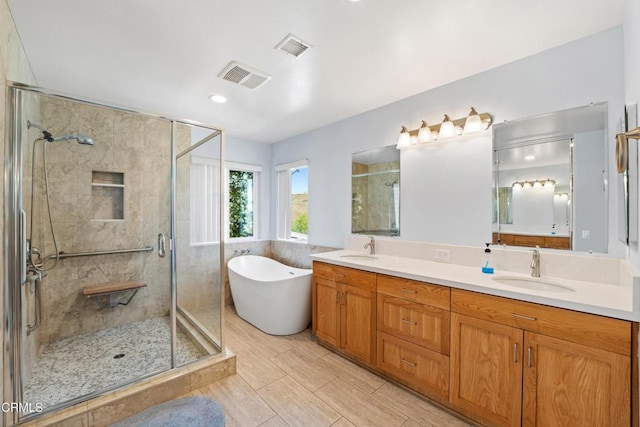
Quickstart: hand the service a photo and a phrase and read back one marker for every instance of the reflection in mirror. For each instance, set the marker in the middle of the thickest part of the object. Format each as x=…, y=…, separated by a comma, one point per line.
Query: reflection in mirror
x=549, y=182
x=375, y=189
x=534, y=194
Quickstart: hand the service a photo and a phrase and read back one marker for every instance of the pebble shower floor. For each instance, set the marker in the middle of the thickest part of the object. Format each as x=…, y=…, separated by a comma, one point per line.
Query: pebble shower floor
x=80, y=365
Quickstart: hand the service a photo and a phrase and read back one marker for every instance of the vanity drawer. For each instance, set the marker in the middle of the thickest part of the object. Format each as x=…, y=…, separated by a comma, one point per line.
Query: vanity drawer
x=582, y=328
x=358, y=278
x=348, y=276
x=320, y=269
x=416, y=367
x=420, y=324
x=420, y=292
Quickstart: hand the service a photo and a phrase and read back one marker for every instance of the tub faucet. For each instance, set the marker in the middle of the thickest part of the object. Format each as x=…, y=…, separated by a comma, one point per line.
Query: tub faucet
x=535, y=263
x=371, y=245
x=242, y=251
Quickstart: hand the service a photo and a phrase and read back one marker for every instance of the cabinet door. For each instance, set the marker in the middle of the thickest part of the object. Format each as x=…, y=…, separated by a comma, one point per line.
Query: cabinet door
x=486, y=370
x=568, y=384
x=357, y=322
x=325, y=311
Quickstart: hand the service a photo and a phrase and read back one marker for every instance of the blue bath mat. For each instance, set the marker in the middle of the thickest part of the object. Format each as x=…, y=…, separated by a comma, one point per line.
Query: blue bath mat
x=185, y=412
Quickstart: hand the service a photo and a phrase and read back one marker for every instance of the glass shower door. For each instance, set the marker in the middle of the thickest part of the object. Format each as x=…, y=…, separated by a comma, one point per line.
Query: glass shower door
x=198, y=234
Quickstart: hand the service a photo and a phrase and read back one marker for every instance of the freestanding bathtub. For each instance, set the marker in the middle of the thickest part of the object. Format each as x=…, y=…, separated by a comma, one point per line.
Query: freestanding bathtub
x=271, y=296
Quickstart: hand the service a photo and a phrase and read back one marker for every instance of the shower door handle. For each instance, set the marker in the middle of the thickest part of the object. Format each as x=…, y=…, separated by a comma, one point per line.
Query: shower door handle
x=24, y=247
x=162, y=242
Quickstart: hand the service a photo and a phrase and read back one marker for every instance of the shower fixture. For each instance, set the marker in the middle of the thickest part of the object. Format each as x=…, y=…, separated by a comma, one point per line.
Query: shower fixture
x=82, y=139
x=47, y=136
x=35, y=261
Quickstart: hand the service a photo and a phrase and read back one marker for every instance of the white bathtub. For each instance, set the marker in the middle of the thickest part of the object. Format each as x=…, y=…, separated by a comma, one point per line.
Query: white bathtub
x=271, y=296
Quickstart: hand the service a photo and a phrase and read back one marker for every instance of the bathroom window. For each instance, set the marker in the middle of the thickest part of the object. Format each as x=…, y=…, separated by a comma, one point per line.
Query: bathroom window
x=293, y=200
x=242, y=206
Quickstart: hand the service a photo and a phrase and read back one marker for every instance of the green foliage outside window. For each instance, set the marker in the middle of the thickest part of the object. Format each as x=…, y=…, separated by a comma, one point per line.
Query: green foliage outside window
x=301, y=224
x=240, y=204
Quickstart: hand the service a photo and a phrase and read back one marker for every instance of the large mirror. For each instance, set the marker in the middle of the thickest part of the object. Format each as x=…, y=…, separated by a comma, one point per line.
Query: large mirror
x=550, y=180
x=375, y=190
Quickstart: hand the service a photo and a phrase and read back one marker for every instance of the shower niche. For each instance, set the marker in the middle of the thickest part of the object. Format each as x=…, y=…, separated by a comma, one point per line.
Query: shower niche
x=107, y=196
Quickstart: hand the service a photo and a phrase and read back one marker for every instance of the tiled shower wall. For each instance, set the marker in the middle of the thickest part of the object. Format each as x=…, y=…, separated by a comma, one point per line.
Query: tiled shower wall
x=139, y=147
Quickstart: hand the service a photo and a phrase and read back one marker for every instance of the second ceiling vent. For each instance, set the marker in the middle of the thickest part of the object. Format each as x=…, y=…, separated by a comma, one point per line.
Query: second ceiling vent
x=243, y=75
x=293, y=46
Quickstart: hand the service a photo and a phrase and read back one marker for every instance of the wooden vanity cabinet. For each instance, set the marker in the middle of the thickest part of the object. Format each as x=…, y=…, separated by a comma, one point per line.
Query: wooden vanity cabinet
x=517, y=363
x=413, y=334
x=343, y=310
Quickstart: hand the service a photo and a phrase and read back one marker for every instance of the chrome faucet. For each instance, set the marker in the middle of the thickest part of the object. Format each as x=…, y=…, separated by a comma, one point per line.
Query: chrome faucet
x=535, y=263
x=371, y=245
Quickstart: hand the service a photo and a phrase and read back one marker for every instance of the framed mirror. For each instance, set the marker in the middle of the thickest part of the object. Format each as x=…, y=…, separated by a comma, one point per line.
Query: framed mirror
x=375, y=190
x=550, y=187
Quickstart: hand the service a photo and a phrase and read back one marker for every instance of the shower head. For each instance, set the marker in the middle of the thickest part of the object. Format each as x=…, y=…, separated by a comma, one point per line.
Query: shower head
x=81, y=139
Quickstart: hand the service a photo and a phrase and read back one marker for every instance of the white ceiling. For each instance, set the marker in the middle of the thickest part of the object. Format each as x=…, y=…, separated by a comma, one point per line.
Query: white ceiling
x=163, y=56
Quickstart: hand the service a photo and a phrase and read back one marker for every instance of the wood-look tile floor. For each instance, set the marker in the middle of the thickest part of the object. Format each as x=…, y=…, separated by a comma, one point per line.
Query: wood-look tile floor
x=293, y=381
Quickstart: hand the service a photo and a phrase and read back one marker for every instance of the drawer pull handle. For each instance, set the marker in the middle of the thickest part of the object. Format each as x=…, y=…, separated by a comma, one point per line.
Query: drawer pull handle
x=515, y=353
x=341, y=278
x=529, y=357
x=410, y=291
x=520, y=316
x=406, y=362
x=409, y=322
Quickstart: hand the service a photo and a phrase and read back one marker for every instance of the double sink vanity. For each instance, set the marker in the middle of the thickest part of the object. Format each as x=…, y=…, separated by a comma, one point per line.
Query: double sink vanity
x=503, y=349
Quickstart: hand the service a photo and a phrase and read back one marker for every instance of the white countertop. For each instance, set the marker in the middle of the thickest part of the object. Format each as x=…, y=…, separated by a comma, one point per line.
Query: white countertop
x=603, y=299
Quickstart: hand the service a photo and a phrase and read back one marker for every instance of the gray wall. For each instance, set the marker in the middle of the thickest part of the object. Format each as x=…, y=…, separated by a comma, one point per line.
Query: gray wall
x=446, y=189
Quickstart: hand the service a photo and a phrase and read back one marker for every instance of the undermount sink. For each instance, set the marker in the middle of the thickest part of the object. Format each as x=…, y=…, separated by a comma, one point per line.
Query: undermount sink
x=534, y=283
x=360, y=257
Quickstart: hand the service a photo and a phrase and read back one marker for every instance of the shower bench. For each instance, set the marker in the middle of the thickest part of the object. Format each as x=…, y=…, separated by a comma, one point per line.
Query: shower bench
x=113, y=291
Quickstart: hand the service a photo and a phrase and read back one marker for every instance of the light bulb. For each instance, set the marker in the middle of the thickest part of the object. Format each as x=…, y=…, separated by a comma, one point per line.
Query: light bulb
x=404, y=140
x=424, y=134
x=447, y=128
x=473, y=122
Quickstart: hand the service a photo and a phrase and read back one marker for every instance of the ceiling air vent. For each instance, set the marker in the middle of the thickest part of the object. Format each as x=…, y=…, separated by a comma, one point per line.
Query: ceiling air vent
x=293, y=46
x=243, y=75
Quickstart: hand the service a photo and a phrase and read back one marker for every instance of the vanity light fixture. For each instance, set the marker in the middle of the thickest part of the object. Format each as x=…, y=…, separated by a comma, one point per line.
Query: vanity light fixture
x=404, y=140
x=529, y=157
x=534, y=184
x=449, y=128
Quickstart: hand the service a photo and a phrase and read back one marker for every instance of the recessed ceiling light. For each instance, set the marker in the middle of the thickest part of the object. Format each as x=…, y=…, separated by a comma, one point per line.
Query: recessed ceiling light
x=529, y=157
x=220, y=99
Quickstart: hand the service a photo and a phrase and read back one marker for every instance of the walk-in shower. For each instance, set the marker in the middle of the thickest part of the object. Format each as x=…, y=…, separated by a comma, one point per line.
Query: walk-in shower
x=105, y=283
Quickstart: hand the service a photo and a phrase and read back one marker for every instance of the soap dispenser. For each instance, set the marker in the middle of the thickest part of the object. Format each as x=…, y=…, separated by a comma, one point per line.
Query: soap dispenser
x=487, y=267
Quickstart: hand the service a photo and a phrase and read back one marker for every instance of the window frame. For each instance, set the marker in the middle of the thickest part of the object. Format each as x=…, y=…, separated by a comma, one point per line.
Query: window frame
x=283, y=199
